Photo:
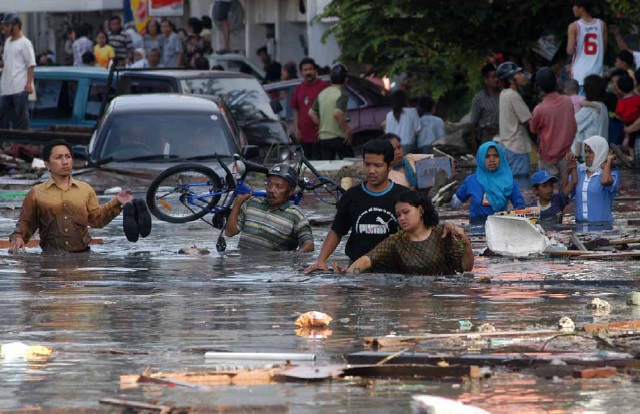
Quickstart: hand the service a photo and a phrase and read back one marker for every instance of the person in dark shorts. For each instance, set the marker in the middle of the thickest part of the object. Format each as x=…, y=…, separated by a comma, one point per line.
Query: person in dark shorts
x=221, y=16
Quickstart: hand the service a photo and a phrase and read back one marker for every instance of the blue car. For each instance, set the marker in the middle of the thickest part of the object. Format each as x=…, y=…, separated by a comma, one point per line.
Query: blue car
x=67, y=96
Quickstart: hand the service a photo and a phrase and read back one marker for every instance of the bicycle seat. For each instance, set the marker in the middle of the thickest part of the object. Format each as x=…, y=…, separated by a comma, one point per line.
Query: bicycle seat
x=251, y=166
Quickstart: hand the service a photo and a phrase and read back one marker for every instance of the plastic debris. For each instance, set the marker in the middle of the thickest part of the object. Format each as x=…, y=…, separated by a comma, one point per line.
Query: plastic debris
x=465, y=325
x=634, y=299
x=566, y=324
x=600, y=305
x=486, y=327
x=112, y=190
x=313, y=318
x=37, y=164
x=439, y=405
x=13, y=350
x=194, y=250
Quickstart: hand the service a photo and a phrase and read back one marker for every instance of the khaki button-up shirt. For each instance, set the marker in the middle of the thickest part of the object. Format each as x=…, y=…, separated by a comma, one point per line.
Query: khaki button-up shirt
x=62, y=216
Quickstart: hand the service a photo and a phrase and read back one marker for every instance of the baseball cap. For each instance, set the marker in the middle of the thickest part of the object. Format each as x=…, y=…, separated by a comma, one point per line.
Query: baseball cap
x=541, y=177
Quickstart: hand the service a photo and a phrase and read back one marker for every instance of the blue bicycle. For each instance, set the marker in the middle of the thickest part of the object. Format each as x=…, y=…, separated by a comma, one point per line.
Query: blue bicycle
x=188, y=192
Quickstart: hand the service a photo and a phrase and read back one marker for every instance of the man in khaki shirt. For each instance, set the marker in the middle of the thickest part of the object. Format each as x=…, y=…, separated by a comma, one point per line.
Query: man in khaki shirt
x=62, y=208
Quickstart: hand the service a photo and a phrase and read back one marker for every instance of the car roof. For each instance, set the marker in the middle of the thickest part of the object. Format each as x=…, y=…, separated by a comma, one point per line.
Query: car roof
x=73, y=70
x=161, y=102
x=186, y=74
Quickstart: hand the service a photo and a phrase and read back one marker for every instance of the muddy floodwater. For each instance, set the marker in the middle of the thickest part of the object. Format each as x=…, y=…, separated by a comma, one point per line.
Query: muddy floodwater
x=165, y=309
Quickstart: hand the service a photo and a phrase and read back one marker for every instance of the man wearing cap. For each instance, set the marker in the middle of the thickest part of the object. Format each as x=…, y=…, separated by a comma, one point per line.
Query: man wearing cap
x=555, y=123
x=550, y=203
x=271, y=223
x=62, y=208
x=513, y=115
x=16, y=83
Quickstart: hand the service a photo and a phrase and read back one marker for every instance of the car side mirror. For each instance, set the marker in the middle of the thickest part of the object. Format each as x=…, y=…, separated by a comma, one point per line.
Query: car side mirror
x=80, y=152
x=250, y=151
x=276, y=106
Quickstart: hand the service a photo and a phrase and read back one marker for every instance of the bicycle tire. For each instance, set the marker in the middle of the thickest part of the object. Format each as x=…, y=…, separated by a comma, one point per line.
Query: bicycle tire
x=168, y=192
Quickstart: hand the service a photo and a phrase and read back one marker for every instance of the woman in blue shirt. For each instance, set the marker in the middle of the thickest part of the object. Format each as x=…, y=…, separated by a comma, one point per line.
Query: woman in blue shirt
x=491, y=187
x=597, y=183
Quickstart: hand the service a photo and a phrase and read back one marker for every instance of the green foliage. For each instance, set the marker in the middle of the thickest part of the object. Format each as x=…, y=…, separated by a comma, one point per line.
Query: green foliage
x=436, y=40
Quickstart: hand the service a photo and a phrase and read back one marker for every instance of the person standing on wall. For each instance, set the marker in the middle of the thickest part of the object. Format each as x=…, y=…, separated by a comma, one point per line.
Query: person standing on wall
x=16, y=82
x=586, y=41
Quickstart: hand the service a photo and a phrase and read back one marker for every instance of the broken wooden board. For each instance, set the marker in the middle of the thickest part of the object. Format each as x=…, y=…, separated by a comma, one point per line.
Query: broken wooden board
x=138, y=405
x=631, y=254
x=206, y=378
x=414, y=371
x=5, y=244
x=516, y=360
x=403, y=341
x=613, y=326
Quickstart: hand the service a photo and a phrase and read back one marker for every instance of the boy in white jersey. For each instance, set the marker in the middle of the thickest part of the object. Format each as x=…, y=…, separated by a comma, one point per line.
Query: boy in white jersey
x=586, y=41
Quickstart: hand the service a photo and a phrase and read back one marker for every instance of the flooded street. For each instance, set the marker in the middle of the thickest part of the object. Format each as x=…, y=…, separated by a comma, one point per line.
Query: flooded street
x=165, y=309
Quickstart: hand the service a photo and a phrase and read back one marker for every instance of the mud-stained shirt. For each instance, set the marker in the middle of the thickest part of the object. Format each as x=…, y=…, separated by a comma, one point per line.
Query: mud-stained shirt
x=62, y=216
x=279, y=229
x=433, y=256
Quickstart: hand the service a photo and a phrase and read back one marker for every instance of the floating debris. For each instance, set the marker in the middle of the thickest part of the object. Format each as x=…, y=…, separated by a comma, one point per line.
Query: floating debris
x=566, y=324
x=313, y=318
x=600, y=305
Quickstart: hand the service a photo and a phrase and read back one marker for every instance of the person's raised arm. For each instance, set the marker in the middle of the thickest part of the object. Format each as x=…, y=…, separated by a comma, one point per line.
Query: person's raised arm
x=328, y=247
x=606, y=179
x=570, y=177
x=231, y=228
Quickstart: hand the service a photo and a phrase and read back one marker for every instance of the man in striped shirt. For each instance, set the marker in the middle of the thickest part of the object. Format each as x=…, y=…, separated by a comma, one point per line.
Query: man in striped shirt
x=271, y=223
x=119, y=40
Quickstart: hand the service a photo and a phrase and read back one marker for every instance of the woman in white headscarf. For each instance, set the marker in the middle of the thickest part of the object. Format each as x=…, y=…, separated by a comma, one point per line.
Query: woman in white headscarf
x=139, y=59
x=597, y=184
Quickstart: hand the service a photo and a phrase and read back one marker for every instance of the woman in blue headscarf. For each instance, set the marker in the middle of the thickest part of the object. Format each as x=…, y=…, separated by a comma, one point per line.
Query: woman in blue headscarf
x=491, y=187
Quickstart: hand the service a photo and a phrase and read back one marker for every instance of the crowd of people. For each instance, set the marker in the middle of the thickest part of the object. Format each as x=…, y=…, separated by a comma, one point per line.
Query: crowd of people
x=392, y=226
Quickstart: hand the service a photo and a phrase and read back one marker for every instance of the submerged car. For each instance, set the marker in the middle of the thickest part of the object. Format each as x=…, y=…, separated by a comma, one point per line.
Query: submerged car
x=142, y=135
x=67, y=96
x=244, y=96
x=367, y=107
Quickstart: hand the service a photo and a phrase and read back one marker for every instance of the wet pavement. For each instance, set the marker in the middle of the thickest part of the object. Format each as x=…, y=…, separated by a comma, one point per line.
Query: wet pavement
x=165, y=308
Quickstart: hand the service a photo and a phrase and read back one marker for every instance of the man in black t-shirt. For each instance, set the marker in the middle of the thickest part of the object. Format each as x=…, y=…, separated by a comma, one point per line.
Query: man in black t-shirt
x=368, y=210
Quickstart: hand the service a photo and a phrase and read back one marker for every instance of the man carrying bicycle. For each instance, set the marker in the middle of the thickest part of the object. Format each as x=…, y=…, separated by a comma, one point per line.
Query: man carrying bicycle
x=271, y=223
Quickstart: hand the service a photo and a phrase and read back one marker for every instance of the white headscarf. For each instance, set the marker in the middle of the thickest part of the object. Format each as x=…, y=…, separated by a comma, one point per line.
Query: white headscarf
x=600, y=148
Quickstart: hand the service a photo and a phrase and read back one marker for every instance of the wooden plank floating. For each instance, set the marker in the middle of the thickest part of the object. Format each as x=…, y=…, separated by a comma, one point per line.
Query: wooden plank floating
x=613, y=326
x=632, y=254
x=5, y=244
x=517, y=360
x=399, y=341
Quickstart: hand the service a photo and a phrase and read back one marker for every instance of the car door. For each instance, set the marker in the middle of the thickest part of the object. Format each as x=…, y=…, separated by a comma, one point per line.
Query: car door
x=59, y=101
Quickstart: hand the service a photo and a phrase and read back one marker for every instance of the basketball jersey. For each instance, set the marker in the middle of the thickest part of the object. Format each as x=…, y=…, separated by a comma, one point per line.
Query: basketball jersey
x=589, y=53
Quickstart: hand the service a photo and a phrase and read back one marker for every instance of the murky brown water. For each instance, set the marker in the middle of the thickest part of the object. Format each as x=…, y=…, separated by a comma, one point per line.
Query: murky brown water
x=144, y=297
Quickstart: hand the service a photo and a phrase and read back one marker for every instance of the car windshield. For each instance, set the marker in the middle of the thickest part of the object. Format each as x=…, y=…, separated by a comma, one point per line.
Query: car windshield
x=244, y=97
x=174, y=135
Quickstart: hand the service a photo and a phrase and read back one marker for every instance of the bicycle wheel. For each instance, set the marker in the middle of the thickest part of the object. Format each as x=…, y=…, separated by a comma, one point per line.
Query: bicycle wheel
x=184, y=193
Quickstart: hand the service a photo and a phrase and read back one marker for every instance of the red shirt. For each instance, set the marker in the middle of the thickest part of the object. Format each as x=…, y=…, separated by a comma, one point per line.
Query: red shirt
x=303, y=98
x=555, y=123
x=628, y=109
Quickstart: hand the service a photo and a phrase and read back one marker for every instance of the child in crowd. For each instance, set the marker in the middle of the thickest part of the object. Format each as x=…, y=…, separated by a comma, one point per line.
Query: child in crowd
x=432, y=126
x=491, y=187
x=628, y=109
x=598, y=183
x=550, y=203
x=571, y=89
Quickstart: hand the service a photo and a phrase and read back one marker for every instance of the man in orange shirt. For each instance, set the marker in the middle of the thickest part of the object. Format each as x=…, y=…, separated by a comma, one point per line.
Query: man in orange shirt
x=62, y=208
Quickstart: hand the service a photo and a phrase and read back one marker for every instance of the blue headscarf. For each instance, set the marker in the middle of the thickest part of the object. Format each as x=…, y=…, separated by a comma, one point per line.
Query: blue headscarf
x=497, y=184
